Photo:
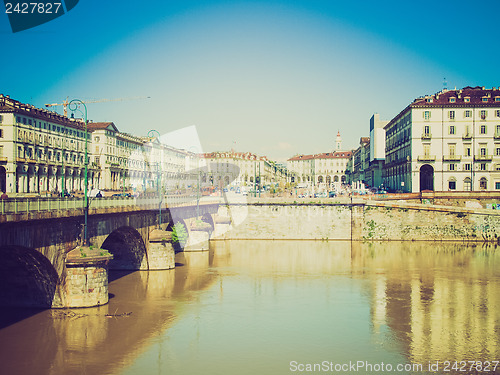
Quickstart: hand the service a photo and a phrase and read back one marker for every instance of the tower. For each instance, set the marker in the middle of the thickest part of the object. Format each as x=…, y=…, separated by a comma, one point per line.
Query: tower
x=338, y=142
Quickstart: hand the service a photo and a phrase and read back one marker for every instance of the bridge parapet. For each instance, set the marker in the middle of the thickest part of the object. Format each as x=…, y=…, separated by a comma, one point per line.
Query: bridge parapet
x=22, y=209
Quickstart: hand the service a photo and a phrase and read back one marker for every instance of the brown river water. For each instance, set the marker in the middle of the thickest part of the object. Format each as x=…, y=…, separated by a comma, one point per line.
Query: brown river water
x=278, y=307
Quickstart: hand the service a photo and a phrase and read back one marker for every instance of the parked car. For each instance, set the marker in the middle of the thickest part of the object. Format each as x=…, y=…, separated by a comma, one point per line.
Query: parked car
x=332, y=194
x=320, y=195
x=128, y=195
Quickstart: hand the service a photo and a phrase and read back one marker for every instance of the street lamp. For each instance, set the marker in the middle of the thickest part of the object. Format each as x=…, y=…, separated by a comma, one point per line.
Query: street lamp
x=74, y=105
x=155, y=134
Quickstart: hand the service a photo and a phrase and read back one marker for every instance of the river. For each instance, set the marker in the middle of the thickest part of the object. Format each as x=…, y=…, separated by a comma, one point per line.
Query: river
x=278, y=307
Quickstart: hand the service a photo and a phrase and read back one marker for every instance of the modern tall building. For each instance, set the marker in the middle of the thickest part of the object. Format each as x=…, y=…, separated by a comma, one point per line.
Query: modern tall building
x=377, y=151
x=449, y=141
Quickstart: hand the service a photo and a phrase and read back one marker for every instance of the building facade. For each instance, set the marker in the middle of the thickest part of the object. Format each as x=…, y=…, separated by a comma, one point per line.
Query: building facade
x=449, y=141
x=40, y=151
x=324, y=170
x=241, y=169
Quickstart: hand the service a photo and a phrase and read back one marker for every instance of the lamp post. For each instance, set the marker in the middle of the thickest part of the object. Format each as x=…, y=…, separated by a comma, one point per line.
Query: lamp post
x=73, y=106
x=63, y=173
x=155, y=134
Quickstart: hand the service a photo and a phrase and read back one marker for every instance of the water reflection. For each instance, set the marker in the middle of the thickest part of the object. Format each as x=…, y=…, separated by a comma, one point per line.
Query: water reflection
x=251, y=307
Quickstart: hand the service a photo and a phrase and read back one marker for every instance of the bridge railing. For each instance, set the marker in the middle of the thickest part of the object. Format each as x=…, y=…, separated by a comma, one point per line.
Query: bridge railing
x=38, y=204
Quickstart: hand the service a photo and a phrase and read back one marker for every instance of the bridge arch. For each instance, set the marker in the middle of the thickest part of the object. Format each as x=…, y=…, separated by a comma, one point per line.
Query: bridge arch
x=128, y=249
x=27, y=278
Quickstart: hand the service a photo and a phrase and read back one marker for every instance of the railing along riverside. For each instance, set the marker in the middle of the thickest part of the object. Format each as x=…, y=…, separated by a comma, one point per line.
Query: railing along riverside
x=38, y=204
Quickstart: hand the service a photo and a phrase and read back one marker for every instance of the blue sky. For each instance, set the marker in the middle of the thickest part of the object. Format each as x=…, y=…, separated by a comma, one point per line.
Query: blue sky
x=272, y=77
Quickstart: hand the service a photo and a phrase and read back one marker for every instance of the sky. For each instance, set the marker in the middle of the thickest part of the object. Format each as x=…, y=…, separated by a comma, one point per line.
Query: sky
x=277, y=78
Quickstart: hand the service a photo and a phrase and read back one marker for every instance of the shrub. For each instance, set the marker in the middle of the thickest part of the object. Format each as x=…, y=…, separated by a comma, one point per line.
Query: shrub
x=179, y=233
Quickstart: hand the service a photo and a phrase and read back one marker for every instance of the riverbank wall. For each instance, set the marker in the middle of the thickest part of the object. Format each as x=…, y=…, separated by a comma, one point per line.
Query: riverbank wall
x=361, y=221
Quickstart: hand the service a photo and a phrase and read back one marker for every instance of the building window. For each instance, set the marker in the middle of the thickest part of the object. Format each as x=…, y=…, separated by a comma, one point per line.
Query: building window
x=483, y=151
x=467, y=99
x=467, y=184
x=497, y=167
x=452, y=148
x=467, y=167
x=452, y=100
x=497, y=185
x=467, y=151
x=497, y=113
x=452, y=129
x=427, y=115
x=482, y=166
x=427, y=129
x=451, y=167
x=497, y=99
x=1, y=133
x=467, y=113
x=451, y=115
x=483, y=183
x=497, y=151
x=485, y=100
x=483, y=114
x=427, y=149
x=1, y=118
x=452, y=184
x=483, y=129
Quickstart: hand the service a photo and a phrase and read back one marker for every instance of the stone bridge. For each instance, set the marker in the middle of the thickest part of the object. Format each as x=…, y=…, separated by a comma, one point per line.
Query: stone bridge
x=43, y=264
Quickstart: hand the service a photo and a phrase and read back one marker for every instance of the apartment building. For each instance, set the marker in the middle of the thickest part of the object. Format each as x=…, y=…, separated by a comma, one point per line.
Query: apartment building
x=449, y=141
x=40, y=150
x=44, y=152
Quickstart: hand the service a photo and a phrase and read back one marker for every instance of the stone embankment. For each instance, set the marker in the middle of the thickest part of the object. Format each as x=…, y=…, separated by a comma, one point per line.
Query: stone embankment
x=361, y=220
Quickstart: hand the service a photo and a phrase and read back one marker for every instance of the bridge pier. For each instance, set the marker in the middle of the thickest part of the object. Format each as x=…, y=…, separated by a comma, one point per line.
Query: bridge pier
x=198, y=237
x=222, y=225
x=86, y=280
x=161, y=253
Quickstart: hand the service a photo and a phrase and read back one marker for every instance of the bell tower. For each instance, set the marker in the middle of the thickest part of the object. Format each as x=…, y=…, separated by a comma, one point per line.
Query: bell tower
x=338, y=142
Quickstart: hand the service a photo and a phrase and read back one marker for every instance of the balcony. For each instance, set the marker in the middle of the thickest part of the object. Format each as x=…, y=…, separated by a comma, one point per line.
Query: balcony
x=452, y=157
x=496, y=136
x=3, y=158
x=426, y=136
x=467, y=137
x=483, y=157
x=426, y=158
